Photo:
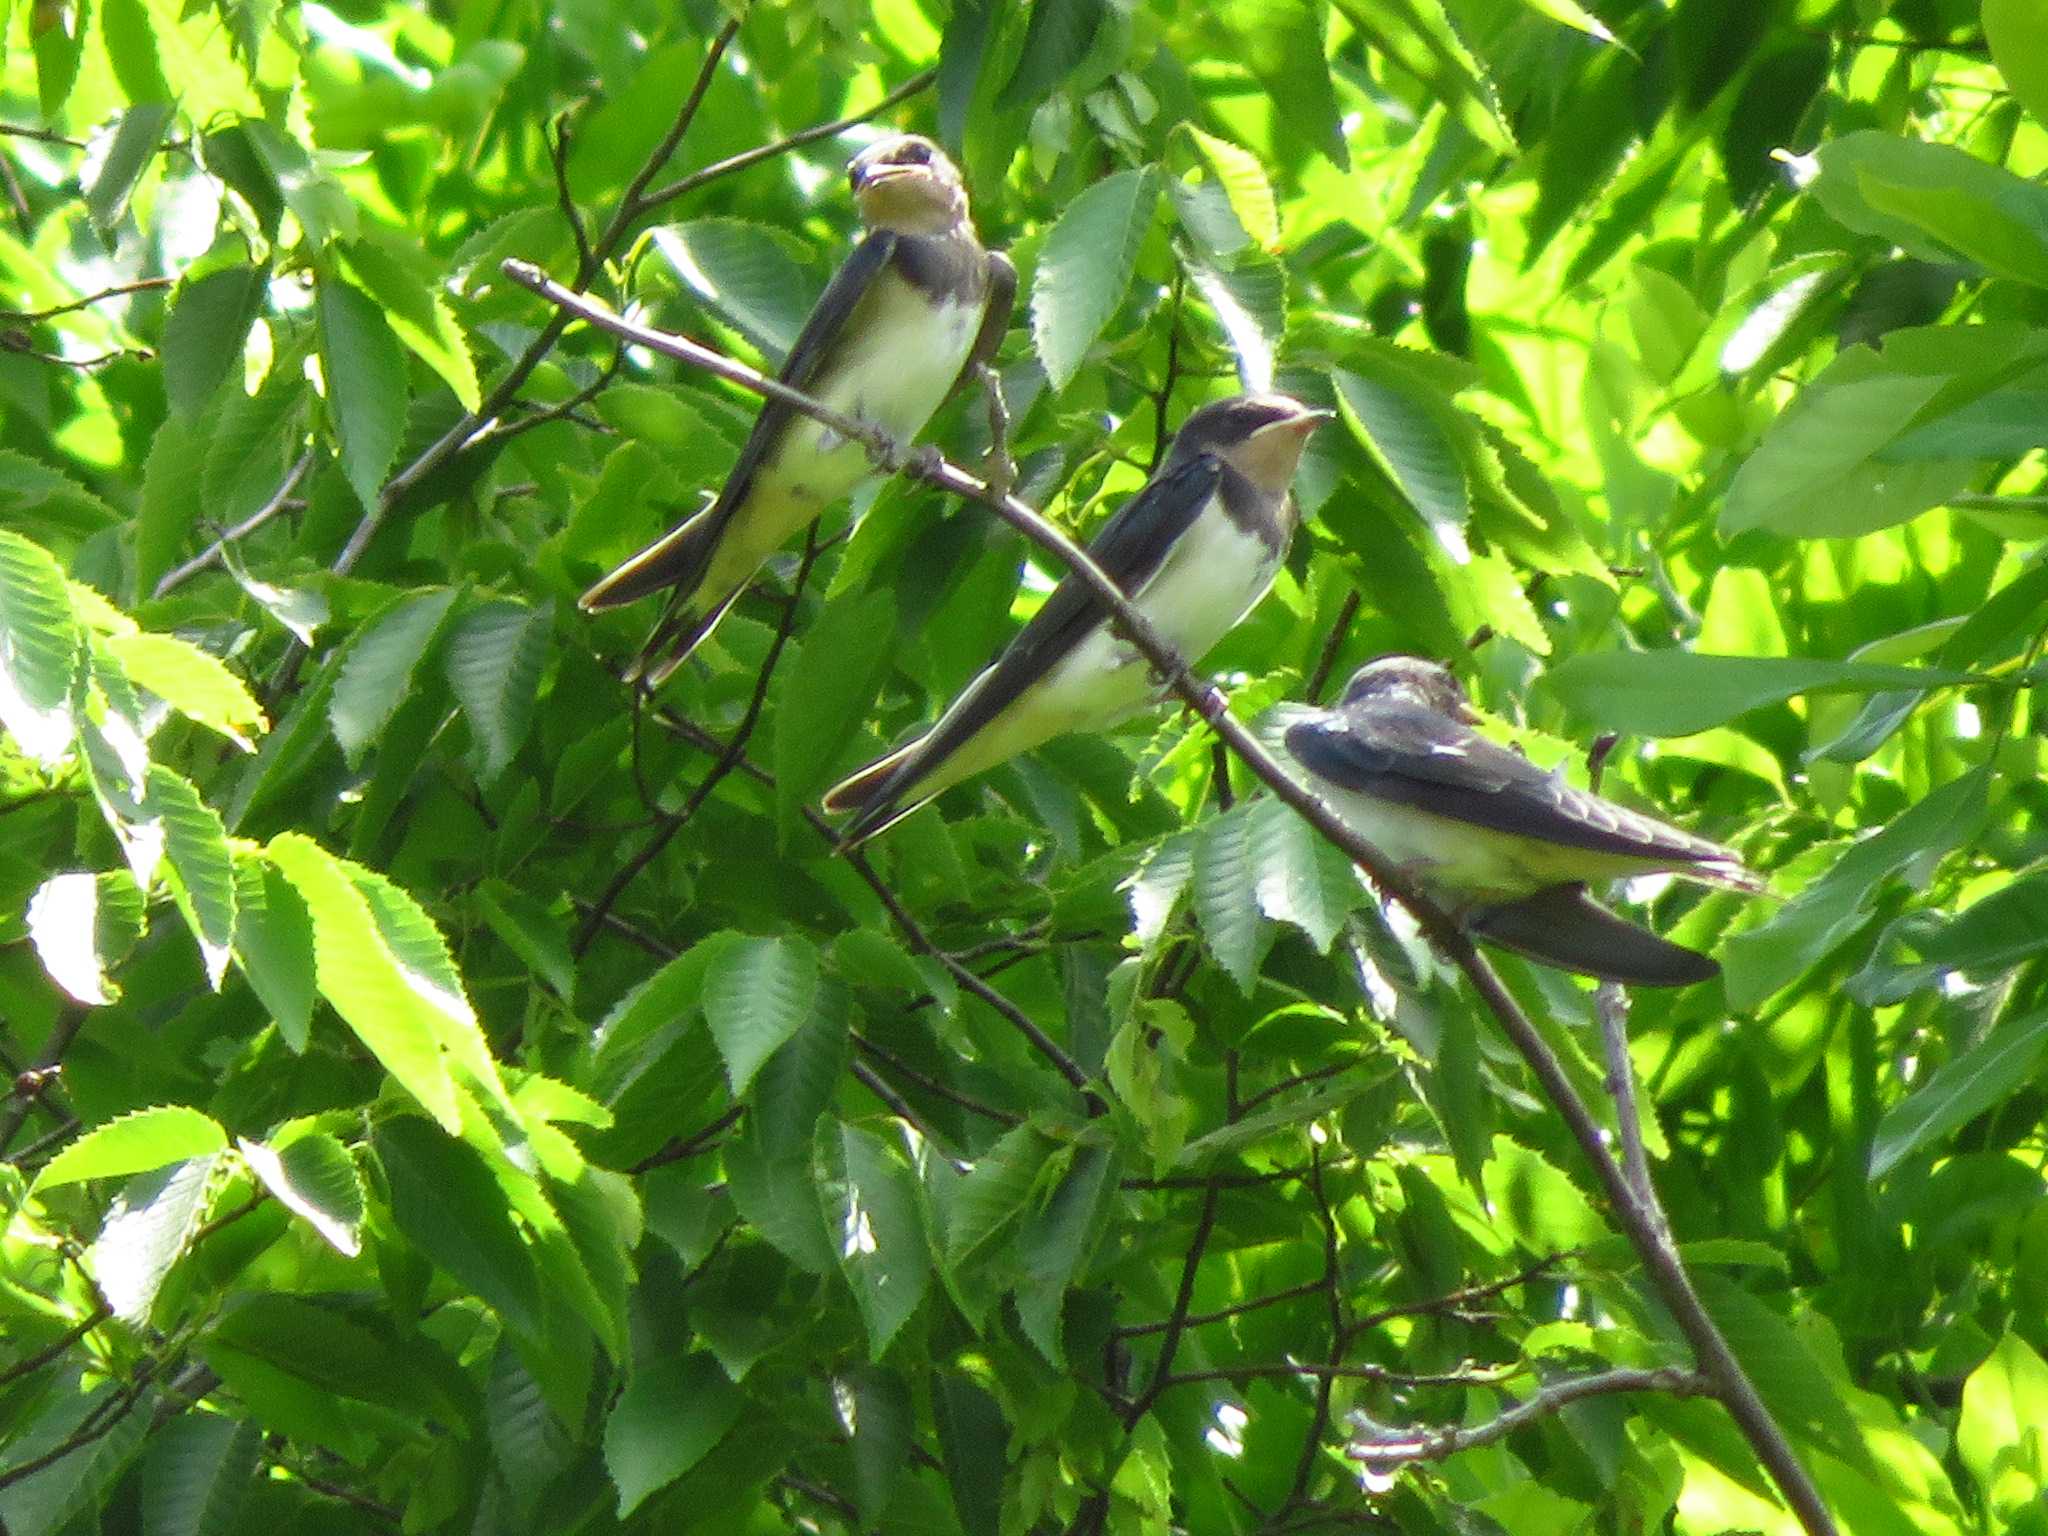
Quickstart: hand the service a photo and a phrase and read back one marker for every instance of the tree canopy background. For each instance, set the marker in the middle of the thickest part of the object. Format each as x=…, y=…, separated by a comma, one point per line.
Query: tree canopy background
x=449, y=1096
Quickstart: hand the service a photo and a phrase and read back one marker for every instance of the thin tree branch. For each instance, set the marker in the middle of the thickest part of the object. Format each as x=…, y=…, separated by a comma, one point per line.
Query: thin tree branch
x=177, y=576
x=119, y=290
x=69, y=1022
x=1382, y=1448
x=30, y=1364
x=1666, y=1271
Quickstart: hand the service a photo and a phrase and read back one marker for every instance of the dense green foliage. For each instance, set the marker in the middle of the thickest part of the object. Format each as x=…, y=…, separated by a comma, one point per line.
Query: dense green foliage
x=451, y=1096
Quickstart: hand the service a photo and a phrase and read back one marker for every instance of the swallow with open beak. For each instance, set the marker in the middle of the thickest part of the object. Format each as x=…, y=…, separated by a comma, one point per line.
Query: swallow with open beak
x=1508, y=848
x=1194, y=550
x=916, y=308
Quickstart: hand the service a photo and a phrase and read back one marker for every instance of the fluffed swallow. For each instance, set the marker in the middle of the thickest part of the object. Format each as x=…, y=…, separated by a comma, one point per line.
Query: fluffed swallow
x=1195, y=549
x=909, y=315
x=1508, y=848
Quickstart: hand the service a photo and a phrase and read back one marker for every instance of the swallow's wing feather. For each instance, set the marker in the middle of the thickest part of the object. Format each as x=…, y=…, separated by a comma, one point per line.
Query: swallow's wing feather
x=1565, y=927
x=680, y=557
x=1130, y=548
x=995, y=316
x=1413, y=755
x=823, y=327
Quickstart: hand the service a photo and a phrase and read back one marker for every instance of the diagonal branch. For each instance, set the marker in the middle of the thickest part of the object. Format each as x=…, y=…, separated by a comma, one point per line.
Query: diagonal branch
x=1639, y=1220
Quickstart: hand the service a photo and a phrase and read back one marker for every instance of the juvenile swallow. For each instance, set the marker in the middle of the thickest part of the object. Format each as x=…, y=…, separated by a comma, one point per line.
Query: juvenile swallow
x=1507, y=847
x=1194, y=549
x=910, y=314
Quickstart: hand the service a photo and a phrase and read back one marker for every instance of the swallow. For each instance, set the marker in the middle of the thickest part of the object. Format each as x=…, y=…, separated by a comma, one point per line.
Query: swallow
x=1507, y=848
x=913, y=312
x=1195, y=549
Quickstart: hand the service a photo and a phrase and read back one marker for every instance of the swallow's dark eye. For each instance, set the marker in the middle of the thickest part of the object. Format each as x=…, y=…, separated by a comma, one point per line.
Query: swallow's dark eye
x=914, y=153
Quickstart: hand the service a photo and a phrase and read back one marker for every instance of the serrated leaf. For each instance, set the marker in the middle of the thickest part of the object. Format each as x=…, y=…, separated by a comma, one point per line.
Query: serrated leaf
x=83, y=925
x=315, y=1178
x=745, y=274
x=366, y=385
x=274, y=945
x=139, y=1142
x=202, y=869
x=528, y=1442
x=2017, y=31
x=204, y=333
x=1057, y=37
x=53, y=1500
x=39, y=648
x=1223, y=883
x=418, y=313
x=1998, y=1432
x=398, y=1012
x=378, y=669
x=882, y=1248
x=1960, y=1090
x=1243, y=179
x=535, y=933
x=1281, y=43
x=1086, y=266
x=1297, y=877
x=758, y=993
x=112, y=172
x=148, y=1228
x=194, y=682
x=1407, y=439
x=195, y=1474
x=1250, y=302
x=444, y=1197
x=254, y=444
x=828, y=689
x=673, y=1411
x=170, y=510
x=495, y=654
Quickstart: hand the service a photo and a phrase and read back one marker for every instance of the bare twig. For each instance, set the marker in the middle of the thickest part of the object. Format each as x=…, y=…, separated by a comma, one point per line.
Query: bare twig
x=140, y=285
x=1382, y=1448
x=1333, y=643
x=30, y=1364
x=62, y=1033
x=177, y=576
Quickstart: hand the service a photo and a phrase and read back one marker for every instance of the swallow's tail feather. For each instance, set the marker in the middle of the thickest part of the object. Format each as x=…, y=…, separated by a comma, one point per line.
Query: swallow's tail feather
x=873, y=793
x=679, y=559
x=1565, y=927
x=681, y=630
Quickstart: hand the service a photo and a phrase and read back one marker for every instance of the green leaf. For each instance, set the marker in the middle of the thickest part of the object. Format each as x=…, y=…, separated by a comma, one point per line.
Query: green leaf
x=366, y=384
x=147, y=1229
x=417, y=312
x=884, y=1254
x=1537, y=1204
x=378, y=669
x=111, y=181
x=196, y=1473
x=673, y=1411
x=201, y=868
x=1999, y=1433
x=66, y=1493
x=194, y=682
x=83, y=926
x=828, y=689
x=1675, y=693
x=135, y=1143
x=535, y=933
x=757, y=994
x=1298, y=877
x=495, y=654
x=1243, y=180
x=445, y=1199
x=169, y=510
x=1223, y=889
x=1085, y=269
x=2017, y=31
x=254, y=444
x=1403, y=431
x=745, y=274
x=274, y=945
x=1249, y=299
x=1281, y=43
x=314, y=1178
x=394, y=1009
x=1986, y=1074
x=39, y=646
x=1057, y=37
x=131, y=49
x=1937, y=202
x=204, y=334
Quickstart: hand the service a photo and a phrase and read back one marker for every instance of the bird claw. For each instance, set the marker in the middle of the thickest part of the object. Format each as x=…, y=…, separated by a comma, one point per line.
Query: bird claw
x=925, y=462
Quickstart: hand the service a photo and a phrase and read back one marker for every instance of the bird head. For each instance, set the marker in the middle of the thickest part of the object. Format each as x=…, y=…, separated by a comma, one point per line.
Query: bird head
x=1259, y=436
x=1410, y=680
x=906, y=184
